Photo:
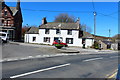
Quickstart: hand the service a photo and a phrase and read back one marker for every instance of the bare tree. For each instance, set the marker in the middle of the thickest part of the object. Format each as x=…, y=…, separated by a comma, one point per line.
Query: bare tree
x=64, y=17
x=85, y=28
x=25, y=28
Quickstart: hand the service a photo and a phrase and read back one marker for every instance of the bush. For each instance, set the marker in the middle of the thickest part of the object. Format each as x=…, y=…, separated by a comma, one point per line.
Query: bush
x=58, y=46
x=96, y=45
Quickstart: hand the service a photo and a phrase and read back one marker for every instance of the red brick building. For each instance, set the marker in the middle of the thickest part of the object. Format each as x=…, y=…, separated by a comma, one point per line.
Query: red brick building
x=11, y=20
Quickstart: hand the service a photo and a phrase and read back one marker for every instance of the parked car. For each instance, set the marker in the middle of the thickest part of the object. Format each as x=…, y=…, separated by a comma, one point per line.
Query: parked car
x=4, y=37
x=59, y=44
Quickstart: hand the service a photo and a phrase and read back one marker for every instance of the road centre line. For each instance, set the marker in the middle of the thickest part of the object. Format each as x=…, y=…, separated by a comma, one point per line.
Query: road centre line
x=114, y=73
x=92, y=59
x=41, y=70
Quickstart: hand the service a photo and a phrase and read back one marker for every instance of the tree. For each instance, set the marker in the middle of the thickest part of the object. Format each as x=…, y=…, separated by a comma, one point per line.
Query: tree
x=85, y=28
x=64, y=17
x=25, y=28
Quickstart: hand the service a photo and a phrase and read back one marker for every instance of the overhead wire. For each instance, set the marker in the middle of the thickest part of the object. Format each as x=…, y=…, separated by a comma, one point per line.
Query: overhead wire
x=93, y=5
x=114, y=13
x=58, y=11
x=109, y=15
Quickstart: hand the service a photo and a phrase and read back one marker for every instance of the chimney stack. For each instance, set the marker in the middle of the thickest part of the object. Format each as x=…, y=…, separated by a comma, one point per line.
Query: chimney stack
x=44, y=21
x=78, y=20
x=18, y=5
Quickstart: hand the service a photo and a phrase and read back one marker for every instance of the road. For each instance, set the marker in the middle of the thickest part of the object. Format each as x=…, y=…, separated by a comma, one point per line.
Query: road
x=82, y=66
x=69, y=66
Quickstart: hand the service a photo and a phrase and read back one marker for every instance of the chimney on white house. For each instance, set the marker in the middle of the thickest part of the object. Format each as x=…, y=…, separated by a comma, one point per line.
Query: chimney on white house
x=44, y=21
x=78, y=20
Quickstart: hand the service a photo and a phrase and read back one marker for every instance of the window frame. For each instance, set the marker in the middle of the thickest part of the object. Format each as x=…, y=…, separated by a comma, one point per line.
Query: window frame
x=69, y=39
x=33, y=39
x=47, y=31
x=45, y=39
x=58, y=31
x=5, y=13
x=69, y=32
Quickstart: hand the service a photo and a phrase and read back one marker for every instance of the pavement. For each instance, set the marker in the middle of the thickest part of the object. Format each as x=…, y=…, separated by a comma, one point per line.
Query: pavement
x=19, y=51
x=67, y=49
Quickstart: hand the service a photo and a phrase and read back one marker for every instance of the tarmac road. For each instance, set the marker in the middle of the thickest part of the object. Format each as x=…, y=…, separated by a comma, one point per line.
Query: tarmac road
x=80, y=66
x=93, y=65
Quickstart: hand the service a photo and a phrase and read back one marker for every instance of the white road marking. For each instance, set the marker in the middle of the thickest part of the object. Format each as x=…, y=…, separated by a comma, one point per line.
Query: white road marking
x=113, y=56
x=28, y=73
x=92, y=59
x=1, y=61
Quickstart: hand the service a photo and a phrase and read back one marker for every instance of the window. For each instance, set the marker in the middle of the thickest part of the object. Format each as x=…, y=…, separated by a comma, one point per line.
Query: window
x=2, y=21
x=34, y=38
x=69, y=40
x=47, y=31
x=2, y=35
x=4, y=30
x=5, y=13
x=69, y=32
x=57, y=31
x=80, y=34
x=83, y=40
x=47, y=39
x=58, y=38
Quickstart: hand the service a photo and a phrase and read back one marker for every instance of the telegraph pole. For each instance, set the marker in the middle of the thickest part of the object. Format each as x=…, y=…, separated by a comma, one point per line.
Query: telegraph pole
x=109, y=32
x=94, y=22
x=94, y=27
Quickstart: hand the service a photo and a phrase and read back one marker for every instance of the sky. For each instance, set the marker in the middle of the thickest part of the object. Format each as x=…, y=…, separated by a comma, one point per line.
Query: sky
x=107, y=14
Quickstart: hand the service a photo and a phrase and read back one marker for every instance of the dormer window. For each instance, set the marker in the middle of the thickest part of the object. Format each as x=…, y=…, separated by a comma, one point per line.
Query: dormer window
x=69, y=32
x=47, y=31
x=57, y=31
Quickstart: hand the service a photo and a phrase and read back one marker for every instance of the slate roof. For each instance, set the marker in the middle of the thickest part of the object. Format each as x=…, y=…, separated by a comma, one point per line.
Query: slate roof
x=33, y=30
x=101, y=37
x=87, y=35
x=55, y=25
x=116, y=36
x=14, y=10
x=107, y=42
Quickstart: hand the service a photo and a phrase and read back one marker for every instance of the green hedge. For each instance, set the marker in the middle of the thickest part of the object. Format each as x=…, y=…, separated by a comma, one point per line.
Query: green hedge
x=96, y=45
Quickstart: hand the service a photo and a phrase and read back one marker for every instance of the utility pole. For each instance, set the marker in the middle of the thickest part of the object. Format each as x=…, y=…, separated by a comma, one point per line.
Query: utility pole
x=94, y=22
x=109, y=32
x=28, y=33
x=94, y=27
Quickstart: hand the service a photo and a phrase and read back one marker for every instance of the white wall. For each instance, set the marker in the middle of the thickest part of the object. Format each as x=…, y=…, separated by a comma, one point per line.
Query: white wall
x=114, y=46
x=29, y=38
x=89, y=42
x=52, y=34
x=40, y=37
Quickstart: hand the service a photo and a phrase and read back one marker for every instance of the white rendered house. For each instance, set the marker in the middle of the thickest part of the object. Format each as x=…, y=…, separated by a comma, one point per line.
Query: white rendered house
x=32, y=35
x=69, y=33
